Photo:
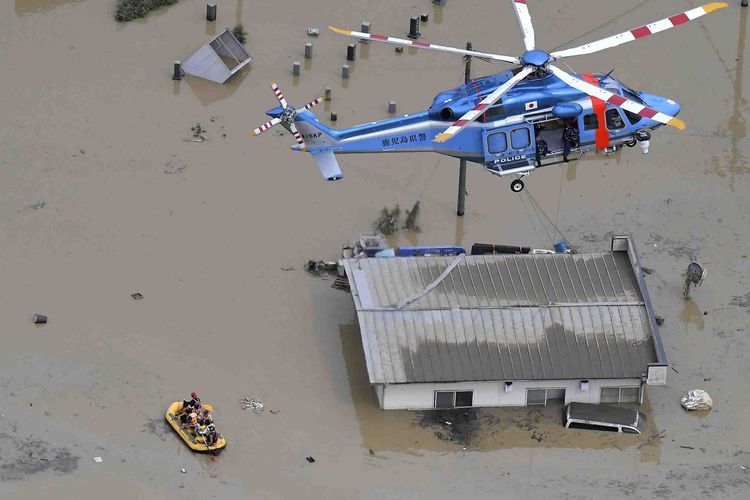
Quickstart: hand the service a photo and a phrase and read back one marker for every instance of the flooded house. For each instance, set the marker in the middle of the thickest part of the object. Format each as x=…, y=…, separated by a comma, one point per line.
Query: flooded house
x=507, y=329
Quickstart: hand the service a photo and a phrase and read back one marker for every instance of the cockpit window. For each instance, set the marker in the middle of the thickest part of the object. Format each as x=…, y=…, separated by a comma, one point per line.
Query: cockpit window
x=632, y=117
x=590, y=122
x=629, y=94
x=614, y=120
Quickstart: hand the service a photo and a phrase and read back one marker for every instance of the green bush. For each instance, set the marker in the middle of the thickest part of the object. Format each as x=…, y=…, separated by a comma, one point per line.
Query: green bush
x=127, y=10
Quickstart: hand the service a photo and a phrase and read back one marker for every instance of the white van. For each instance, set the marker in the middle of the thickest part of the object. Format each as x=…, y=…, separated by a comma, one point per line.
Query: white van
x=603, y=418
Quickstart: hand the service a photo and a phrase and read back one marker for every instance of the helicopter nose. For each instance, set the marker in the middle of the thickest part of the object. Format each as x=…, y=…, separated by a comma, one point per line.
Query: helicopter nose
x=663, y=104
x=671, y=107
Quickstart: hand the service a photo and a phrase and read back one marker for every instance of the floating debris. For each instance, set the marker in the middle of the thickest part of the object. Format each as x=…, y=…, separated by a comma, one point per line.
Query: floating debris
x=694, y=275
x=411, y=217
x=653, y=438
x=240, y=34
x=341, y=283
x=321, y=267
x=455, y=426
x=252, y=404
x=387, y=222
x=198, y=131
x=697, y=399
x=98, y=460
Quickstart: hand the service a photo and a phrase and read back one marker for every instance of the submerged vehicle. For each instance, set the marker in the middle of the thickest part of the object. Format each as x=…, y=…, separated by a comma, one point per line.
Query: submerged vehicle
x=197, y=443
x=603, y=418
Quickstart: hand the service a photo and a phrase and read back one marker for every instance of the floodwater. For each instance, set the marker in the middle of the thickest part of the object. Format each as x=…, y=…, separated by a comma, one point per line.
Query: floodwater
x=102, y=198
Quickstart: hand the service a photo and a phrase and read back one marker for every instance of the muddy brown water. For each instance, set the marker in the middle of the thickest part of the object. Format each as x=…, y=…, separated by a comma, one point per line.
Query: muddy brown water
x=101, y=198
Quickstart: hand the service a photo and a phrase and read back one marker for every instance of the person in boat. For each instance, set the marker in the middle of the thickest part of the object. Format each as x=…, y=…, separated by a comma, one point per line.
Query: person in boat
x=192, y=422
x=205, y=418
x=195, y=402
x=209, y=434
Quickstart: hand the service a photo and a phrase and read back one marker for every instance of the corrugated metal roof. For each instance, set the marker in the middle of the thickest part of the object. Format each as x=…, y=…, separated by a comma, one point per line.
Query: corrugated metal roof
x=501, y=317
x=218, y=59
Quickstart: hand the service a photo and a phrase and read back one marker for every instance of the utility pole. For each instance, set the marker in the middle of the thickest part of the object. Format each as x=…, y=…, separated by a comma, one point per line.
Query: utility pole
x=462, y=165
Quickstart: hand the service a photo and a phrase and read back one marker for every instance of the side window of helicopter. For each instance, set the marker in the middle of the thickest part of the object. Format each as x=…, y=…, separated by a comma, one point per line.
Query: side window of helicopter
x=497, y=143
x=614, y=119
x=632, y=117
x=520, y=138
x=590, y=122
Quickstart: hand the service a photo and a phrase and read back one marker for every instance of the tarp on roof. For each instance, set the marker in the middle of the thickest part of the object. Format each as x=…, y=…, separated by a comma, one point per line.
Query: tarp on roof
x=218, y=59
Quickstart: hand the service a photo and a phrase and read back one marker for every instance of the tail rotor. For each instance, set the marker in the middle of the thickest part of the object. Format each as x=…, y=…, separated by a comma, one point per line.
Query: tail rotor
x=287, y=116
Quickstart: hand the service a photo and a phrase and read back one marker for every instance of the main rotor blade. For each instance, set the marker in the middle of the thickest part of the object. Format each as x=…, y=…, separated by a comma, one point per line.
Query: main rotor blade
x=313, y=103
x=279, y=95
x=616, y=100
x=423, y=45
x=524, y=22
x=640, y=32
x=298, y=137
x=480, y=108
x=266, y=126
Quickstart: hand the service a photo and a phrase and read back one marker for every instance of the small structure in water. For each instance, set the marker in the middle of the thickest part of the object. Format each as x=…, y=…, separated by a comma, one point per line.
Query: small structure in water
x=218, y=59
x=506, y=329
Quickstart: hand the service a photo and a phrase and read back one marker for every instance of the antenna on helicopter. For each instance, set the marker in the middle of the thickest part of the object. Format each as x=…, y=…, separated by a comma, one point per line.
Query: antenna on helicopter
x=606, y=76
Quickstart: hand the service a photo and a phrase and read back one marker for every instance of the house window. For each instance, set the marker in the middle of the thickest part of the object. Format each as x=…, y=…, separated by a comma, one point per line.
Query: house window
x=454, y=399
x=497, y=143
x=619, y=395
x=590, y=122
x=464, y=399
x=614, y=120
x=536, y=397
x=542, y=396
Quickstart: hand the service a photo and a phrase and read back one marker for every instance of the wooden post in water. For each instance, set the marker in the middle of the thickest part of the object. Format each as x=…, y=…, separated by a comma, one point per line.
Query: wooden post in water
x=462, y=164
x=211, y=11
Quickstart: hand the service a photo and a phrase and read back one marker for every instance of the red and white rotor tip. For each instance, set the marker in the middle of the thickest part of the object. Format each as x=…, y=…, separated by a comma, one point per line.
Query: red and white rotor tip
x=288, y=116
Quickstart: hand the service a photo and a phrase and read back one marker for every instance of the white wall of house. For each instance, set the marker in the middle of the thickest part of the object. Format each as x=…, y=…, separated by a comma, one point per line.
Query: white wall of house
x=422, y=396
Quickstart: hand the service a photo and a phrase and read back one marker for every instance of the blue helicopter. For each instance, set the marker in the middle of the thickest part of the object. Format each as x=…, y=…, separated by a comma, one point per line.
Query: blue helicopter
x=511, y=123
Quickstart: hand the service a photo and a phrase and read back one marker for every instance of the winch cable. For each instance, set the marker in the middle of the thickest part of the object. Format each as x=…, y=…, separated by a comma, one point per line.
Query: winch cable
x=532, y=222
x=540, y=212
x=541, y=221
x=559, y=192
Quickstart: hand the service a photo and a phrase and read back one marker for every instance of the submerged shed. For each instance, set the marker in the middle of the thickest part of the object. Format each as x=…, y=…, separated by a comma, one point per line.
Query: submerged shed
x=218, y=59
x=496, y=330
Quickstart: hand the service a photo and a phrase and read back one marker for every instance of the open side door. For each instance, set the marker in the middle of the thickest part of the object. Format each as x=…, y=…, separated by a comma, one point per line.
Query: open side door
x=510, y=149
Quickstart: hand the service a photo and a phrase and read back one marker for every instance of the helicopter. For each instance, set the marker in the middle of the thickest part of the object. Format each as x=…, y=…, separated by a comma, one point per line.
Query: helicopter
x=512, y=122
